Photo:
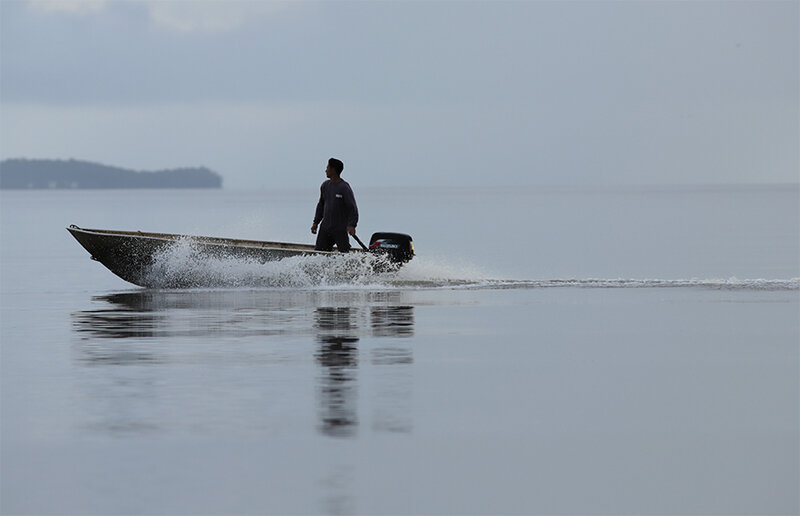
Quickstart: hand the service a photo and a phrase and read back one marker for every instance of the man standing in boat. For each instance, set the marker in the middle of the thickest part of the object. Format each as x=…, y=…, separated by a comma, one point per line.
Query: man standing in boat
x=336, y=210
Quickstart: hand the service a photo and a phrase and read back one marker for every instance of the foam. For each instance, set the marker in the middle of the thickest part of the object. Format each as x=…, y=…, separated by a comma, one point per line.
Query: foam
x=183, y=265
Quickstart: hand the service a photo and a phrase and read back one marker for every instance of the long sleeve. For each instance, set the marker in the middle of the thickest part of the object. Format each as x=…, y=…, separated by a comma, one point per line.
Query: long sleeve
x=352, y=208
x=320, y=205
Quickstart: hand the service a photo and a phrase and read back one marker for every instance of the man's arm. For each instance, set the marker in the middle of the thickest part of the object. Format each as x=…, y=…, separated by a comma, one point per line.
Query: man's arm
x=320, y=209
x=352, y=211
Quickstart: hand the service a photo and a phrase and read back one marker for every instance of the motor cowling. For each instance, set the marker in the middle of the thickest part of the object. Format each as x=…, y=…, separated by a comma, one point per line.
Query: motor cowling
x=398, y=246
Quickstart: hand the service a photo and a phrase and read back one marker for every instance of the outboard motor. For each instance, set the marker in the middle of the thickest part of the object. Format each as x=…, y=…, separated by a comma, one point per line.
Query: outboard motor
x=398, y=246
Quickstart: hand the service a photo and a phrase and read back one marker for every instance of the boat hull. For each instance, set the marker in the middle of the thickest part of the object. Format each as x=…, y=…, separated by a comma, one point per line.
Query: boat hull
x=131, y=254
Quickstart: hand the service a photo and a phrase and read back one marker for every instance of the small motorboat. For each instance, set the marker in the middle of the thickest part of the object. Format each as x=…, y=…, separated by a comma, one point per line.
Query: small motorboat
x=131, y=254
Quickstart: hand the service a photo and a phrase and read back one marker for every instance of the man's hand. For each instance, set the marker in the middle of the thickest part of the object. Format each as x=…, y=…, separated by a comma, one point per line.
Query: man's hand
x=351, y=230
x=313, y=229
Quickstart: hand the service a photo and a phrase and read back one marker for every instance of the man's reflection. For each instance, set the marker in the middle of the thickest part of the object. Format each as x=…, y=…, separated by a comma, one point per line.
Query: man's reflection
x=338, y=357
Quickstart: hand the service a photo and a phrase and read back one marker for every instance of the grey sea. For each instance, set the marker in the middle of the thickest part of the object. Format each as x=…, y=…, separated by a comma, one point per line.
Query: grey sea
x=616, y=350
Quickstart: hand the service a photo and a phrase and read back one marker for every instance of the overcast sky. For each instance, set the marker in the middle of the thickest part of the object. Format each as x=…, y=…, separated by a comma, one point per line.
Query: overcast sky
x=409, y=93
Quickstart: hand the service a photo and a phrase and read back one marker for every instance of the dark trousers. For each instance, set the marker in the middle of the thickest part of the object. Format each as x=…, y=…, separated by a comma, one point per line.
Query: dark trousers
x=327, y=237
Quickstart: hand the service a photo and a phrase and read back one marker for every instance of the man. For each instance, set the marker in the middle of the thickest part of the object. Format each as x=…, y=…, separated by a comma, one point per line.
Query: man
x=336, y=210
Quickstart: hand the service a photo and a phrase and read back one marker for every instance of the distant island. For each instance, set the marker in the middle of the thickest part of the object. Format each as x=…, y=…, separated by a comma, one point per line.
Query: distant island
x=18, y=174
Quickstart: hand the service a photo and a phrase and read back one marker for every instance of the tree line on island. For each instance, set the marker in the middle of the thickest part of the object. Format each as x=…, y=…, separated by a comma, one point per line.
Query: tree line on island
x=18, y=174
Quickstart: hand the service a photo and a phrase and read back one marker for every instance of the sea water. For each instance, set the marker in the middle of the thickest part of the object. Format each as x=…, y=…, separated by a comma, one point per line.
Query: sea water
x=548, y=351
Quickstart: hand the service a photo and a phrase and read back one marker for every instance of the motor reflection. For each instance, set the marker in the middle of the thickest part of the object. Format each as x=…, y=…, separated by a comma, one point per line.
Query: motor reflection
x=392, y=359
x=392, y=321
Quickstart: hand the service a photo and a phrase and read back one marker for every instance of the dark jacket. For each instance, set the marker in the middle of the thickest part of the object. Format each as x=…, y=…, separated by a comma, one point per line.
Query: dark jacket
x=336, y=207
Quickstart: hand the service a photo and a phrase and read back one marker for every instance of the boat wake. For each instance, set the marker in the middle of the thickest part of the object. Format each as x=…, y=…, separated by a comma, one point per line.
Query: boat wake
x=715, y=284
x=181, y=265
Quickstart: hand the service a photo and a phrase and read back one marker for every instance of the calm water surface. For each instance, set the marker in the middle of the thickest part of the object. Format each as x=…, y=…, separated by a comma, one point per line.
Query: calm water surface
x=617, y=351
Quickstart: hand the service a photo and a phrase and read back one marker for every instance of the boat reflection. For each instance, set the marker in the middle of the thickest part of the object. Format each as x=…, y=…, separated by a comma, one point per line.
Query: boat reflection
x=137, y=339
x=159, y=314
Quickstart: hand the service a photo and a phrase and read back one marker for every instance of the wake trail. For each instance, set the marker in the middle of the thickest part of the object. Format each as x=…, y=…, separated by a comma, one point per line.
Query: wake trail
x=716, y=284
x=181, y=264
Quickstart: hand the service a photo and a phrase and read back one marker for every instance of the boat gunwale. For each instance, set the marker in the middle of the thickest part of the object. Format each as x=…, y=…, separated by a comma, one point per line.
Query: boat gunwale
x=205, y=240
